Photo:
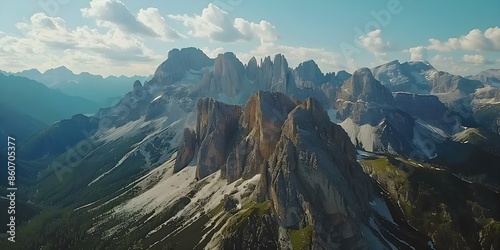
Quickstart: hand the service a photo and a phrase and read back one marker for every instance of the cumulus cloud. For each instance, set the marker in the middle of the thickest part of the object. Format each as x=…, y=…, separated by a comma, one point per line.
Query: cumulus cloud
x=375, y=43
x=449, y=64
x=216, y=25
x=213, y=53
x=476, y=59
x=115, y=14
x=47, y=42
x=475, y=40
x=418, y=53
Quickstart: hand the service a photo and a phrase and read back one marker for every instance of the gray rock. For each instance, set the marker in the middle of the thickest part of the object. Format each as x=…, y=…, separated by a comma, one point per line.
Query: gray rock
x=215, y=128
x=229, y=74
x=280, y=74
x=308, y=75
x=404, y=77
x=186, y=150
x=444, y=82
x=364, y=87
x=261, y=121
x=177, y=63
x=252, y=69
x=309, y=170
x=427, y=108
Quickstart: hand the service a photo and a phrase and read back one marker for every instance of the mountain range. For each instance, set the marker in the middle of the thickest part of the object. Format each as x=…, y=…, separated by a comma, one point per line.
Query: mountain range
x=103, y=91
x=34, y=99
x=214, y=153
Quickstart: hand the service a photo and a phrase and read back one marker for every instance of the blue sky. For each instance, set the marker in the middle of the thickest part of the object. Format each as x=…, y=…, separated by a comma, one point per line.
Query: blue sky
x=130, y=37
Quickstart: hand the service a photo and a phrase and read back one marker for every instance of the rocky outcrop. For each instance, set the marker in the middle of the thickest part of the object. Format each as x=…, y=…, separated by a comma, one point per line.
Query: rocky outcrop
x=229, y=74
x=308, y=75
x=308, y=169
x=271, y=75
x=405, y=77
x=130, y=108
x=186, y=150
x=280, y=74
x=216, y=125
x=177, y=63
x=343, y=76
x=362, y=86
x=443, y=82
x=252, y=69
x=372, y=119
x=362, y=98
x=261, y=121
x=137, y=85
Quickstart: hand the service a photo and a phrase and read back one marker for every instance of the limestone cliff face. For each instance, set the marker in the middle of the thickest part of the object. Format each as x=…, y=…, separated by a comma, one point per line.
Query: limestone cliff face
x=362, y=98
x=308, y=75
x=261, y=124
x=315, y=179
x=271, y=75
x=372, y=118
x=307, y=164
x=229, y=74
x=216, y=125
x=252, y=69
x=186, y=150
x=362, y=86
x=443, y=82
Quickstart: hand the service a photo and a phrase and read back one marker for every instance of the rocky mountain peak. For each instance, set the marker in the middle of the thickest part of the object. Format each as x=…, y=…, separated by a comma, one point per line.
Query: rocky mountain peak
x=308, y=75
x=229, y=74
x=444, y=82
x=307, y=164
x=364, y=87
x=216, y=124
x=252, y=69
x=343, y=75
x=137, y=84
x=59, y=70
x=178, y=62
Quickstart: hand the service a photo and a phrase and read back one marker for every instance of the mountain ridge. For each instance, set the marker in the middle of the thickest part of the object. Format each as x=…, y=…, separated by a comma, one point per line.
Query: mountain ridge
x=219, y=151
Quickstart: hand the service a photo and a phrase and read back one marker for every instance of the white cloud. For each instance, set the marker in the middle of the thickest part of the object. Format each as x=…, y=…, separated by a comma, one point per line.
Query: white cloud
x=216, y=25
x=418, y=53
x=375, y=43
x=475, y=59
x=475, y=40
x=326, y=60
x=213, y=53
x=449, y=64
x=114, y=14
x=152, y=18
x=49, y=43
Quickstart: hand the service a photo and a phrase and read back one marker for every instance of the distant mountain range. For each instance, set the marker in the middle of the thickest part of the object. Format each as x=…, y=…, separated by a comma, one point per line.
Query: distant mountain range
x=103, y=91
x=212, y=153
x=36, y=100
